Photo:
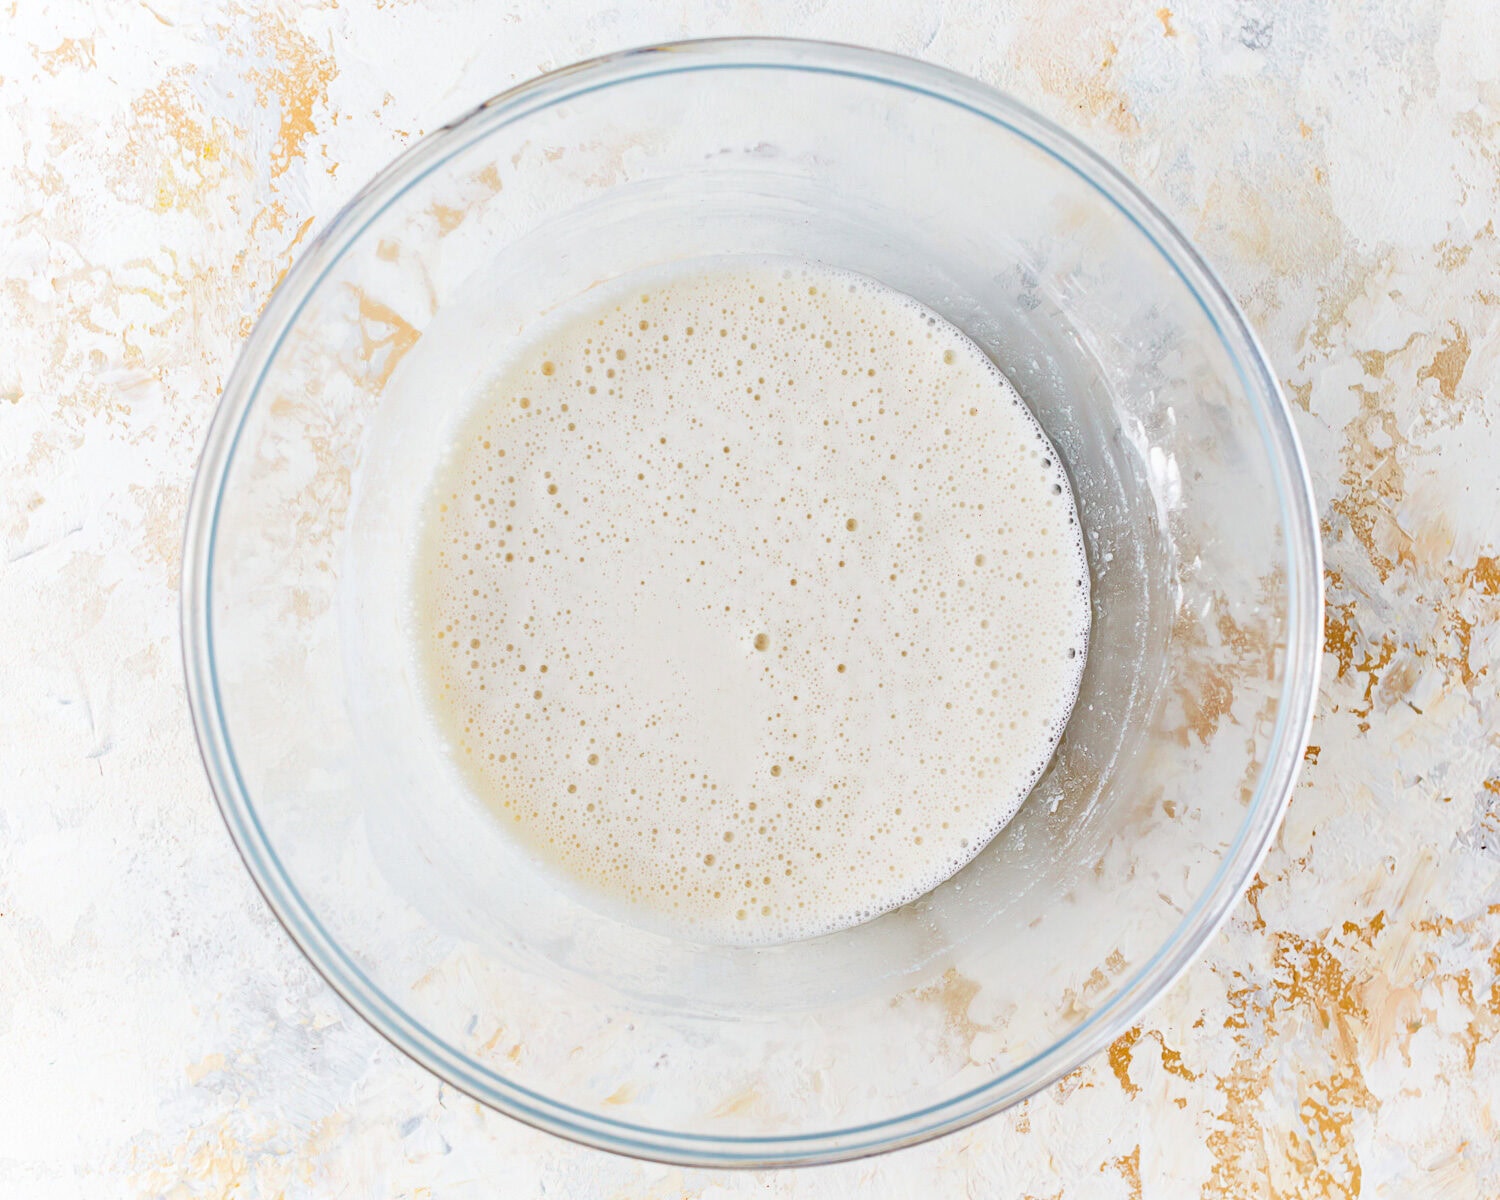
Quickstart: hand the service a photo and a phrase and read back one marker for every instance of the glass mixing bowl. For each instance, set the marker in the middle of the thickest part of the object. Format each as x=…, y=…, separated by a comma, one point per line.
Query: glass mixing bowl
x=400, y=886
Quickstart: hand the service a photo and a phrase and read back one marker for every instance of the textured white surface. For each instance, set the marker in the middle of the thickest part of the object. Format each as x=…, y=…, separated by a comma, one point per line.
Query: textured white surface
x=159, y=166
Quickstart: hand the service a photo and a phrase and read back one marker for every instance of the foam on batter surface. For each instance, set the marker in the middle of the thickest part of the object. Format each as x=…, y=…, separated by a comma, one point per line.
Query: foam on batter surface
x=753, y=597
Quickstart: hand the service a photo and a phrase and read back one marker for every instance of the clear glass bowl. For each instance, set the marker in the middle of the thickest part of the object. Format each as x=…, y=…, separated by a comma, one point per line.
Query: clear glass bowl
x=1175, y=766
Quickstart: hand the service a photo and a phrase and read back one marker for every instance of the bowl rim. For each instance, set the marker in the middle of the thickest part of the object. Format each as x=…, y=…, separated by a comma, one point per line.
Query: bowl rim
x=1123, y=1008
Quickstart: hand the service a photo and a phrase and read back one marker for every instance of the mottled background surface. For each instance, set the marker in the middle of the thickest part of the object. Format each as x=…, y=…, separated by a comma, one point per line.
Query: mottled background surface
x=160, y=164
